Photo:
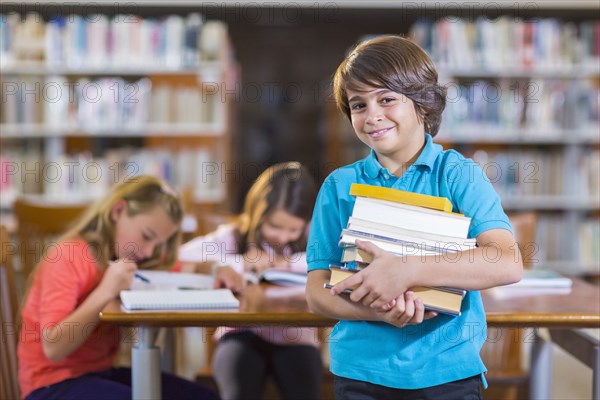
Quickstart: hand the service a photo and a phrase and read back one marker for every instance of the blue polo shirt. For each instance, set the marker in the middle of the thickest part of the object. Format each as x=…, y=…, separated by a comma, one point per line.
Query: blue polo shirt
x=442, y=349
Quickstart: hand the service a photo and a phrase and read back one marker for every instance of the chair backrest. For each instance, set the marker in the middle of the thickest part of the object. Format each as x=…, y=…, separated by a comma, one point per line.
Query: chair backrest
x=8, y=250
x=39, y=224
x=502, y=353
x=9, y=384
x=210, y=221
x=524, y=227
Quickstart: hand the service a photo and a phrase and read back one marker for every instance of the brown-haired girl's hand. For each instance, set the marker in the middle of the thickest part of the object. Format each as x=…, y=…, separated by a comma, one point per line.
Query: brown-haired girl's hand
x=257, y=260
x=118, y=276
x=227, y=277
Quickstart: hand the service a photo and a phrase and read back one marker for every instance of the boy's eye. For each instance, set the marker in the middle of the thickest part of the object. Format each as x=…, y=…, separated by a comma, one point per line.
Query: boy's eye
x=356, y=106
x=145, y=237
x=387, y=100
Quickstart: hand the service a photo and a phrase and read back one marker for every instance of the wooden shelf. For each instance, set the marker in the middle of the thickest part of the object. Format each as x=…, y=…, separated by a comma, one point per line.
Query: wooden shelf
x=40, y=68
x=20, y=131
x=551, y=203
x=383, y=4
x=566, y=72
x=518, y=137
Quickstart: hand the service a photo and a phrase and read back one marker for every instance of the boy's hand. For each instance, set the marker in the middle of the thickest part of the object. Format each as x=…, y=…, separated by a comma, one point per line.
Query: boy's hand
x=226, y=277
x=118, y=276
x=405, y=310
x=381, y=282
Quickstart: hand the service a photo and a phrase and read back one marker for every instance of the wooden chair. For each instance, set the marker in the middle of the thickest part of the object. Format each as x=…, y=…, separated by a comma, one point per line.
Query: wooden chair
x=502, y=353
x=9, y=384
x=38, y=225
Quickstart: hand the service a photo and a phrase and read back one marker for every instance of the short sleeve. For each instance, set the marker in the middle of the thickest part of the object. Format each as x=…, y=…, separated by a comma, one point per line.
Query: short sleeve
x=322, y=249
x=473, y=195
x=68, y=274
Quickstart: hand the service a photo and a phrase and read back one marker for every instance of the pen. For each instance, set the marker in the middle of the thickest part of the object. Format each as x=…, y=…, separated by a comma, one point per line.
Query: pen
x=142, y=278
x=191, y=288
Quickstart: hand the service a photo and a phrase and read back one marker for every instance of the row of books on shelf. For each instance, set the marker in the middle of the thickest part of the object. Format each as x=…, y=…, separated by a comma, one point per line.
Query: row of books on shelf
x=554, y=243
x=100, y=41
x=528, y=173
x=493, y=44
x=537, y=107
x=105, y=104
x=522, y=173
x=81, y=177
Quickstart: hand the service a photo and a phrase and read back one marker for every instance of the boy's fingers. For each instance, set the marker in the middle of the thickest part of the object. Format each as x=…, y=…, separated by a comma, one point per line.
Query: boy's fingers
x=409, y=310
x=381, y=303
x=369, y=247
x=419, y=311
x=348, y=283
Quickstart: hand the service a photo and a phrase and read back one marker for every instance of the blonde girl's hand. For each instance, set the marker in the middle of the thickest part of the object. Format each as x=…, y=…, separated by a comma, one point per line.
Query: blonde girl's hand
x=118, y=276
x=227, y=277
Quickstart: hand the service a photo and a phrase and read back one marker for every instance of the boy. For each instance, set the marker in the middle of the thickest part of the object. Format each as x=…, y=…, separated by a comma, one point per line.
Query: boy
x=386, y=345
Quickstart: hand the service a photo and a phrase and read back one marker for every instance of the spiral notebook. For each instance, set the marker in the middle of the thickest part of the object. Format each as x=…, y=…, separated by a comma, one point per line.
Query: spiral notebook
x=178, y=299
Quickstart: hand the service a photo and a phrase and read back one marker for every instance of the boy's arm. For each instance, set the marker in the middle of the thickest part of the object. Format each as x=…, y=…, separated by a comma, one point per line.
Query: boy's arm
x=497, y=261
x=402, y=311
x=322, y=302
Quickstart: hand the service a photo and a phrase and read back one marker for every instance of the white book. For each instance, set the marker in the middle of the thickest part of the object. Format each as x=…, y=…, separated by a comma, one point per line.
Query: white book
x=279, y=277
x=97, y=43
x=174, y=29
x=348, y=239
x=178, y=299
x=408, y=235
x=411, y=217
x=540, y=278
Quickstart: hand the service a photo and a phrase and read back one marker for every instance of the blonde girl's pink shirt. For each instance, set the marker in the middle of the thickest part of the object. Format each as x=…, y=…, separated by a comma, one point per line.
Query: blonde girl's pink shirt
x=220, y=246
x=62, y=281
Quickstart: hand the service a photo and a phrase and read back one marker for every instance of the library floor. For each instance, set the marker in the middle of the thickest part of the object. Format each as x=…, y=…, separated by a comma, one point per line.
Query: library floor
x=571, y=380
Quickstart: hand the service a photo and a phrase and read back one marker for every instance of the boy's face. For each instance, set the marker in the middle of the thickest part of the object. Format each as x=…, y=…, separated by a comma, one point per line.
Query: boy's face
x=387, y=122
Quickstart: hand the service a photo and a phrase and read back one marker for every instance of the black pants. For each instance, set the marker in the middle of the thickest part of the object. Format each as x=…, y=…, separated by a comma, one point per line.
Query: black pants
x=243, y=361
x=464, y=389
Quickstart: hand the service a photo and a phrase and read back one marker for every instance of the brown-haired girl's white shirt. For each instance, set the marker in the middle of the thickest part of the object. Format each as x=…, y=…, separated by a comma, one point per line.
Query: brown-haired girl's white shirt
x=221, y=246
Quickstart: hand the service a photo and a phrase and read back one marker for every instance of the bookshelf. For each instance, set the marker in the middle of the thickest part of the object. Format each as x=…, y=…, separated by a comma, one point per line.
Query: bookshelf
x=94, y=94
x=523, y=102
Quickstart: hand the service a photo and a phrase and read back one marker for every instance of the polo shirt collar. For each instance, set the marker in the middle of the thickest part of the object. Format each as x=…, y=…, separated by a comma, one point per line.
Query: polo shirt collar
x=427, y=158
x=429, y=154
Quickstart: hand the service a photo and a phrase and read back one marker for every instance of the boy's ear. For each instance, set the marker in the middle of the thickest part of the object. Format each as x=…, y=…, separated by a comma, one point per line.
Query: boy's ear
x=117, y=209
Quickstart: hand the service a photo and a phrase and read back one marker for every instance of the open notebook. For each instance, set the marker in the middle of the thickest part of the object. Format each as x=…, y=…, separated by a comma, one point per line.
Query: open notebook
x=178, y=299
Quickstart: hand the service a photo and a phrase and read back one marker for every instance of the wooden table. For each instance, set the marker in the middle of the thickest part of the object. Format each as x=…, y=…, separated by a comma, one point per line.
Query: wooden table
x=562, y=314
x=270, y=306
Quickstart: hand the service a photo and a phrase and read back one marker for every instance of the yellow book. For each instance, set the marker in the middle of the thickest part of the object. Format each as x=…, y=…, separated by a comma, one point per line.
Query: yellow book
x=441, y=299
x=400, y=196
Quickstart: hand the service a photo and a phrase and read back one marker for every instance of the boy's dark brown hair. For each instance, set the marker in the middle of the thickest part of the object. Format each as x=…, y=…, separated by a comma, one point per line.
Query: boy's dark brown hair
x=397, y=64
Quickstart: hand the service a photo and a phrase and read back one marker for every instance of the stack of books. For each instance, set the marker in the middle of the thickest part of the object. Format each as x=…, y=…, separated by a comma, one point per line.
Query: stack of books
x=406, y=224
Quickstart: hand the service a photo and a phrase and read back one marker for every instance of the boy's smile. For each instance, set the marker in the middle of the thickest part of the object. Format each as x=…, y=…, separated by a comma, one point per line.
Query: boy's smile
x=388, y=123
x=379, y=133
